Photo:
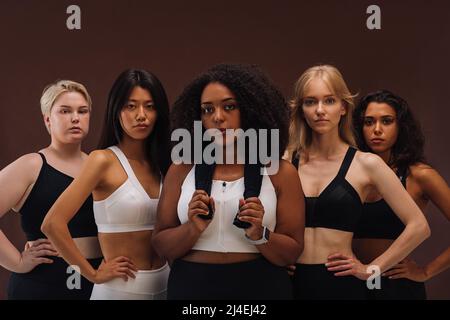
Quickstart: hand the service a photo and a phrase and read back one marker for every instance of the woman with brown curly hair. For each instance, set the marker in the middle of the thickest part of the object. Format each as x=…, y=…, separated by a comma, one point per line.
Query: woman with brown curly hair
x=385, y=125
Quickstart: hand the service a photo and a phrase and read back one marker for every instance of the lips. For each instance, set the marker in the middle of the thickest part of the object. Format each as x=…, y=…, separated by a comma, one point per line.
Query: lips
x=142, y=126
x=377, y=140
x=75, y=129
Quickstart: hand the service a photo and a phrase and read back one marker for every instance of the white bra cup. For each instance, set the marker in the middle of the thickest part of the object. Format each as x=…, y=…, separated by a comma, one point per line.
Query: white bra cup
x=128, y=208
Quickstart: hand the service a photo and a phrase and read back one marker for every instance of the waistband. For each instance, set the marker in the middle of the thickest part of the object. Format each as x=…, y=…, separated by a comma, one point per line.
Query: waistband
x=146, y=281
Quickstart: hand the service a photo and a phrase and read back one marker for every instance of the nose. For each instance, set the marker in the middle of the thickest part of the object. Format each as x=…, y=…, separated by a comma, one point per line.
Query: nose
x=140, y=116
x=75, y=117
x=377, y=129
x=320, y=109
x=218, y=115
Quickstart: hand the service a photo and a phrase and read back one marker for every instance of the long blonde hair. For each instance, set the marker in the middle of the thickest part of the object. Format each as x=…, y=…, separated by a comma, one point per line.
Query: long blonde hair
x=300, y=134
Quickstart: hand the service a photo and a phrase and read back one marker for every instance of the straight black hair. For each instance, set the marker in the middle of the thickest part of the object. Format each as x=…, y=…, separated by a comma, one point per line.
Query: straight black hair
x=157, y=145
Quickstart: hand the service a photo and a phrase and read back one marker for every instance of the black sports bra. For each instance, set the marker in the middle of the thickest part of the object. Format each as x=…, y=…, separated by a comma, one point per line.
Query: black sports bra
x=378, y=220
x=338, y=206
x=49, y=185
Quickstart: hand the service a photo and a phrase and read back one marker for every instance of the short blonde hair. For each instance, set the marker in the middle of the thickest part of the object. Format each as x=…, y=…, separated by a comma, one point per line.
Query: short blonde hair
x=300, y=134
x=52, y=92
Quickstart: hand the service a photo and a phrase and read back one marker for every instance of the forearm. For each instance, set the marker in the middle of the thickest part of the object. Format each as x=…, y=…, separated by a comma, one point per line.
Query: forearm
x=409, y=239
x=58, y=233
x=438, y=265
x=281, y=249
x=9, y=255
x=174, y=243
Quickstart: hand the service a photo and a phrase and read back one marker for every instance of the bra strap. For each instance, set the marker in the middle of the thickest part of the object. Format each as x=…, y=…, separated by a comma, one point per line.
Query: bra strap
x=43, y=157
x=346, y=162
x=295, y=159
x=123, y=161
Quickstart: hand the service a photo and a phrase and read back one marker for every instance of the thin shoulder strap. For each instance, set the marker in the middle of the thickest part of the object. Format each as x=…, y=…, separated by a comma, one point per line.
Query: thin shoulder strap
x=295, y=159
x=43, y=157
x=403, y=174
x=346, y=162
x=123, y=160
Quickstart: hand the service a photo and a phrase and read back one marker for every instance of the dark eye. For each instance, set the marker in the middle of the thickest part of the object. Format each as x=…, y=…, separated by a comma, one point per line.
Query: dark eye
x=308, y=102
x=229, y=107
x=83, y=111
x=368, y=122
x=207, y=109
x=131, y=106
x=150, y=106
x=330, y=101
x=388, y=121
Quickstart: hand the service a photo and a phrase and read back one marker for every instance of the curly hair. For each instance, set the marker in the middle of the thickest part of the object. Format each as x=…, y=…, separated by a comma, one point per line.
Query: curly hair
x=409, y=147
x=261, y=104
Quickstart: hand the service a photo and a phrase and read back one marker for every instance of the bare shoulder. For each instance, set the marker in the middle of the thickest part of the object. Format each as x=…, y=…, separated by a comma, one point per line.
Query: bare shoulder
x=368, y=160
x=100, y=159
x=423, y=173
x=286, y=169
x=287, y=174
x=177, y=172
x=29, y=164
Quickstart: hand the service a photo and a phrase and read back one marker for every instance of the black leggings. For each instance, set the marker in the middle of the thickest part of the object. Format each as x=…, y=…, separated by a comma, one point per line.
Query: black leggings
x=49, y=282
x=252, y=280
x=398, y=289
x=315, y=282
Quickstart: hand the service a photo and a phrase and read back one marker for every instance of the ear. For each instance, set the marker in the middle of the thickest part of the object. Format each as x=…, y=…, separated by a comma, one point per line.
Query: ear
x=343, y=109
x=47, y=121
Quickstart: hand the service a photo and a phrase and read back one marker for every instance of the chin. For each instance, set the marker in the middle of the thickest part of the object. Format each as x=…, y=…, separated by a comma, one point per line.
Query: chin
x=378, y=149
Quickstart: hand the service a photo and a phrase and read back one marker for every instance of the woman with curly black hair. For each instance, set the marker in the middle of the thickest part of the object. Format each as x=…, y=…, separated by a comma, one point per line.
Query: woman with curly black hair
x=228, y=230
x=385, y=125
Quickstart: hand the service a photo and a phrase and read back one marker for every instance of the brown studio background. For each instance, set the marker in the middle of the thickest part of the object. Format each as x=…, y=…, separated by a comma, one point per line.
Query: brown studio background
x=178, y=40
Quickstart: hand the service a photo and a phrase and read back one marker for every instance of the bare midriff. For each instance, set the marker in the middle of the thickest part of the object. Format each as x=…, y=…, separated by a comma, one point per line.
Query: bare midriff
x=134, y=245
x=321, y=242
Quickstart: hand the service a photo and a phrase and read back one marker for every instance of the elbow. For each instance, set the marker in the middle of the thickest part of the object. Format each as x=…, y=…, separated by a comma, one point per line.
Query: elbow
x=292, y=258
x=156, y=244
x=425, y=230
x=48, y=227
x=422, y=230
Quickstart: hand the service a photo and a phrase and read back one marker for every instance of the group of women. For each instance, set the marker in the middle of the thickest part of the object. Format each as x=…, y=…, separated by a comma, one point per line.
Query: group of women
x=348, y=195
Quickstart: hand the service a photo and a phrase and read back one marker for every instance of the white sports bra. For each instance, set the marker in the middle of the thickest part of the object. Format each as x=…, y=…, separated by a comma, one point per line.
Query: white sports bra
x=128, y=208
x=221, y=235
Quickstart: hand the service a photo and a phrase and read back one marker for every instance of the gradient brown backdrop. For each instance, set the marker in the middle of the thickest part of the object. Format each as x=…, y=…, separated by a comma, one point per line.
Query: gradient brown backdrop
x=178, y=39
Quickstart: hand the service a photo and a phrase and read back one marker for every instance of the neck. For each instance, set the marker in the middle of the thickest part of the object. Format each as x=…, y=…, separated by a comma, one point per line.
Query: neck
x=326, y=145
x=65, y=150
x=133, y=149
x=385, y=155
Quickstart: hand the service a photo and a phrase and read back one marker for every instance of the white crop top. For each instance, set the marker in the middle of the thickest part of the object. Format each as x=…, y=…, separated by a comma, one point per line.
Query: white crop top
x=221, y=235
x=128, y=208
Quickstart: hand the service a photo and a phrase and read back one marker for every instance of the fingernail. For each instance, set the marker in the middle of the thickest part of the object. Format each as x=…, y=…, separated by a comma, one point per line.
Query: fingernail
x=326, y=264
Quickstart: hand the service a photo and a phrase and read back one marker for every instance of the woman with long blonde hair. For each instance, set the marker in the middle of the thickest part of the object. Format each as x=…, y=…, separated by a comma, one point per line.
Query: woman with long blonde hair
x=336, y=179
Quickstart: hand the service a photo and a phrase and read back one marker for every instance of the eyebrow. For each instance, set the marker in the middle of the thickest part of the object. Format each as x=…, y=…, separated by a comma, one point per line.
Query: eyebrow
x=70, y=107
x=134, y=100
x=224, y=100
x=312, y=97
x=383, y=116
